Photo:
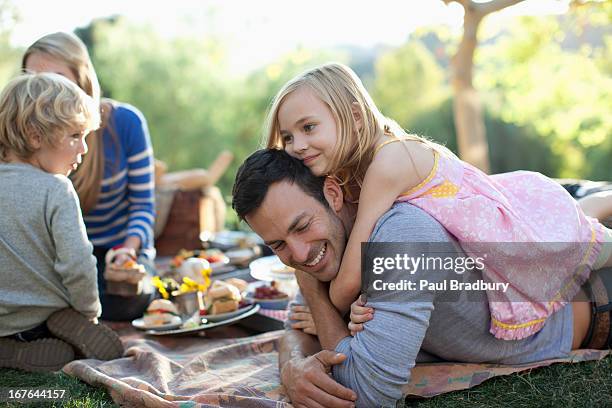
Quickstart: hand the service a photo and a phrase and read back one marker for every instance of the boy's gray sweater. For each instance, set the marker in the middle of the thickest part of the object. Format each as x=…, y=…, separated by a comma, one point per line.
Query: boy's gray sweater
x=46, y=260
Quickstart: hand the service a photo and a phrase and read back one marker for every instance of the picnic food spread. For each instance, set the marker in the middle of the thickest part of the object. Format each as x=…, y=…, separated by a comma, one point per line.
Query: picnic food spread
x=193, y=299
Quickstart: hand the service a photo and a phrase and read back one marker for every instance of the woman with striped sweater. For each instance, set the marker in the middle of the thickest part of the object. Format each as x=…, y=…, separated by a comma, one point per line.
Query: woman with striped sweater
x=115, y=182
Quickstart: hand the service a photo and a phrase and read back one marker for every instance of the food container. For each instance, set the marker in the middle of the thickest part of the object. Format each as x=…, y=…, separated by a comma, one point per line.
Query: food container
x=187, y=303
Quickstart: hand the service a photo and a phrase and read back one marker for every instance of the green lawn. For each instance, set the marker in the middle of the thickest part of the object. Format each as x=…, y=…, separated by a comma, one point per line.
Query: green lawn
x=563, y=385
x=81, y=394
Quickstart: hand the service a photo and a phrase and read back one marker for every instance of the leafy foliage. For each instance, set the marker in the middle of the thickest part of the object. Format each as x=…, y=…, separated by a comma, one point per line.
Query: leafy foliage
x=562, y=89
x=545, y=83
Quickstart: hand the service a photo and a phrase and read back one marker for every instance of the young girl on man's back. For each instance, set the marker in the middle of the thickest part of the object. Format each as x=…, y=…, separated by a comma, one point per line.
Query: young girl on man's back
x=48, y=272
x=326, y=118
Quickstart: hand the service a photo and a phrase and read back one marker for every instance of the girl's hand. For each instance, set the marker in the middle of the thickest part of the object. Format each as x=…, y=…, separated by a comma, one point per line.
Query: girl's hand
x=304, y=319
x=359, y=315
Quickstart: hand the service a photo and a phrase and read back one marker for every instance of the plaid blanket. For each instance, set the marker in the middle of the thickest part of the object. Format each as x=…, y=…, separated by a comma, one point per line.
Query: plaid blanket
x=214, y=371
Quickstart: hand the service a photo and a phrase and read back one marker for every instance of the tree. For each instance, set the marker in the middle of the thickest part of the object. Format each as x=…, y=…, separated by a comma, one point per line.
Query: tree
x=552, y=74
x=467, y=109
x=407, y=82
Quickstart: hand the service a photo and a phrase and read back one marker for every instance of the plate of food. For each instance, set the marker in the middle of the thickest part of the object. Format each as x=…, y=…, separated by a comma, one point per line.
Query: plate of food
x=160, y=315
x=271, y=268
x=206, y=325
x=267, y=295
x=193, y=263
x=224, y=300
x=232, y=239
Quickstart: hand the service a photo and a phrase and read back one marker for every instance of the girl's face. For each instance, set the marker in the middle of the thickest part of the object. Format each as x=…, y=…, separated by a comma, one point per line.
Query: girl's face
x=40, y=62
x=308, y=129
x=62, y=158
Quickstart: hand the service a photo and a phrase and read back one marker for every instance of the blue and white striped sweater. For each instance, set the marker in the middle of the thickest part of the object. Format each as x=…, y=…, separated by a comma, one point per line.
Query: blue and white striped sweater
x=126, y=205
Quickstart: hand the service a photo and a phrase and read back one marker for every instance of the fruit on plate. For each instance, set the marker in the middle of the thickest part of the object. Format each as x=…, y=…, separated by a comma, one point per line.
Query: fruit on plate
x=269, y=292
x=161, y=312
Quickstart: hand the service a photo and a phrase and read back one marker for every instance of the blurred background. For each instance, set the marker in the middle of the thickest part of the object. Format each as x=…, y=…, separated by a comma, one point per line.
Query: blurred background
x=204, y=72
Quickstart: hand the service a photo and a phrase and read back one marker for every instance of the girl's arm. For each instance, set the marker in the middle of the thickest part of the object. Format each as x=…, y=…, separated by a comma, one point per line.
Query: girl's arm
x=390, y=174
x=395, y=169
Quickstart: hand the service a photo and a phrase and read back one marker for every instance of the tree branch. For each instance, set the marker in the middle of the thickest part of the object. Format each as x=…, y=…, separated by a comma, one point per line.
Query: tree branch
x=493, y=6
x=462, y=2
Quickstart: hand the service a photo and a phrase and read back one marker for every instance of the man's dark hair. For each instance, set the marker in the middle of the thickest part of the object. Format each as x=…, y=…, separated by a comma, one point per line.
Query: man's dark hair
x=265, y=167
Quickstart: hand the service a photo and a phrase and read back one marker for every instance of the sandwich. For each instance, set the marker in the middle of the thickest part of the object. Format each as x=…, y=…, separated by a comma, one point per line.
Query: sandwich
x=161, y=312
x=222, y=298
x=241, y=284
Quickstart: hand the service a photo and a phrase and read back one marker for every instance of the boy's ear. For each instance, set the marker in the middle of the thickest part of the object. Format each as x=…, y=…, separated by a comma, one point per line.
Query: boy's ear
x=333, y=194
x=34, y=139
x=357, y=116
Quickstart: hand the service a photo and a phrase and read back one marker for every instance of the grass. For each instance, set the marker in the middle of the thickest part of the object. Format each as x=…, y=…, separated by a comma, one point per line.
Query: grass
x=81, y=395
x=586, y=384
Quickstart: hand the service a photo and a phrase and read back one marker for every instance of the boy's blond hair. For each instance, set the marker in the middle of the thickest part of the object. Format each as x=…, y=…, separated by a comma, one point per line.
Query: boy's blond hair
x=42, y=105
x=68, y=49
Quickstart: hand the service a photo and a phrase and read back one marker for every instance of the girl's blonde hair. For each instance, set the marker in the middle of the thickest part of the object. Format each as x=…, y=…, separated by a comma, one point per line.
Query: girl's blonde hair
x=343, y=92
x=46, y=106
x=70, y=50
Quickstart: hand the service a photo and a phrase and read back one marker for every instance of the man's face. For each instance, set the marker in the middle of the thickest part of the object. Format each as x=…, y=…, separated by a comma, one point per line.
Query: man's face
x=300, y=230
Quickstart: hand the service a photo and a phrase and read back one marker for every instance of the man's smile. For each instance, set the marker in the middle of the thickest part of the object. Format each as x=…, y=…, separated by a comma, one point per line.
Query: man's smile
x=318, y=258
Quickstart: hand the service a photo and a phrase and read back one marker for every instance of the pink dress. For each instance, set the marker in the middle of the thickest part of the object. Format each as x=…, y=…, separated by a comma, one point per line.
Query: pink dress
x=535, y=235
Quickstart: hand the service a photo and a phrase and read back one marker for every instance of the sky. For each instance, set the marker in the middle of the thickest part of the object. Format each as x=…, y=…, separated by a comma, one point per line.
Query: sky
x=247, y=24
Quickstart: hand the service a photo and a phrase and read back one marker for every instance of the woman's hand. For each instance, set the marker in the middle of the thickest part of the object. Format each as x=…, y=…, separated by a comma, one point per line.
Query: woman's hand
x=304, y=319
x=116, y=258
x=132, y=244
x=359, y=315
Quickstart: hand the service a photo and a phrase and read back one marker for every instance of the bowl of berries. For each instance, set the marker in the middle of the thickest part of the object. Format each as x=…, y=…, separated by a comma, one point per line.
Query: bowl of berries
x=267, y=295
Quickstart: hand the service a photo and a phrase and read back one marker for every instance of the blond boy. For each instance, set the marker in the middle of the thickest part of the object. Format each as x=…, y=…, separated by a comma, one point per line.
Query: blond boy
x=49, y=299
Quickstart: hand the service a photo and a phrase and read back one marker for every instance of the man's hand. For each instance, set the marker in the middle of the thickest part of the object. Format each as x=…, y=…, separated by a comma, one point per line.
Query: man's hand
x=309, y=384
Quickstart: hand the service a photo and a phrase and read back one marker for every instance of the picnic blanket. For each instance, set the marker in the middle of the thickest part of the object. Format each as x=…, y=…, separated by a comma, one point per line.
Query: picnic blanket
x=243, y=371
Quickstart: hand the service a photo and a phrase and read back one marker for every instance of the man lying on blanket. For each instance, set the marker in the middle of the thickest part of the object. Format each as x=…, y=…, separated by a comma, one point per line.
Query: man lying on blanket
x=305, y=220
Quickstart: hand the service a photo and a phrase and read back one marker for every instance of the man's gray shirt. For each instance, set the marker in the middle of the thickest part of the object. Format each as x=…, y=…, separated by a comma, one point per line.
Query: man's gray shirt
x=380, y=357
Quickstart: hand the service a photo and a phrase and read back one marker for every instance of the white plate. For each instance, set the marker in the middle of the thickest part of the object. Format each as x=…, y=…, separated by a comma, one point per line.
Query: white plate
x=139, y=324
x=262, y=269
x=229, y=239
x=246, y=312
x=222, y=316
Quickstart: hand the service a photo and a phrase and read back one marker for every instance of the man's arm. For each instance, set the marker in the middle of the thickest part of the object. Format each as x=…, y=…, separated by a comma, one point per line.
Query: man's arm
x=323, y=311
x=304, y=372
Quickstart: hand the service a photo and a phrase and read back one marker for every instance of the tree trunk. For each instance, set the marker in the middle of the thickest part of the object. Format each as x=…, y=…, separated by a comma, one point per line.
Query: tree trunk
x=467, y=109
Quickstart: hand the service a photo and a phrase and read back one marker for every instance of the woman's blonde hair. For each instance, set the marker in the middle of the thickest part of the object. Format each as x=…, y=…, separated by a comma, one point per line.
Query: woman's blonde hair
x=46, y=106
x=343, y=92
x=70, y=50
